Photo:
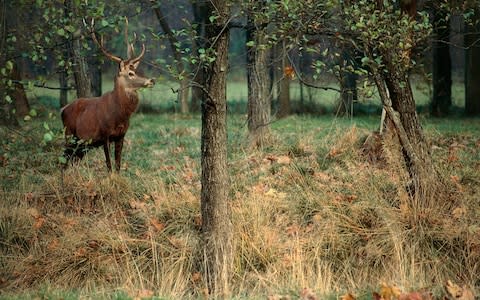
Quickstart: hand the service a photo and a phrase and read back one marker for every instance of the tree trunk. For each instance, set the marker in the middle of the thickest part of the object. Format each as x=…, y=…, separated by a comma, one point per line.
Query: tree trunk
x=95, y=68
x=215, y=207
x=401, y=111
x=63, y=81
x=442, y=66
x=17, y=93
x=283, y=83
x=79, y=64
x=7, y=116
x=348, y=85
x=472, y=71
x=258, y=86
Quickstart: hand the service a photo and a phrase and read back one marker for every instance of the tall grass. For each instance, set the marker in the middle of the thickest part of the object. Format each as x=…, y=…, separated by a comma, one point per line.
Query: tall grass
x=310, y=211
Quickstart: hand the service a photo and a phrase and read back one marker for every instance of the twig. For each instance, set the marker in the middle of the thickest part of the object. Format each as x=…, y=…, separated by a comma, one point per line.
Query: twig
x=326, y=88
x=43, y=85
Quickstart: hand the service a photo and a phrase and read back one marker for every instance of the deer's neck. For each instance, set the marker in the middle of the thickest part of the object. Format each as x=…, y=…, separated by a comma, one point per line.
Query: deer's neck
x=126, y=99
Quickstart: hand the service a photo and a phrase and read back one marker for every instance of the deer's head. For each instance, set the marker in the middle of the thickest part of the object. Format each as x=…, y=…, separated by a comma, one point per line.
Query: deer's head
x=127, y=75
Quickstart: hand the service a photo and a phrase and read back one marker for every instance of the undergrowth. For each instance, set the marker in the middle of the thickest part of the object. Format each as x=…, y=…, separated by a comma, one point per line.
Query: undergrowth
x=311, y=209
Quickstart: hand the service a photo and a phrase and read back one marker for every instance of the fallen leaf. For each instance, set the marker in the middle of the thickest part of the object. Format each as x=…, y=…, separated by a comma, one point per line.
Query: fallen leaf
x=196, y=277
x=459, y=293
x=53, y=245
x=348, y=296
x=157, y=225
x=39, y=221
x=284, y=160
x=141, y=294
x=388, y=292
x=308, y=294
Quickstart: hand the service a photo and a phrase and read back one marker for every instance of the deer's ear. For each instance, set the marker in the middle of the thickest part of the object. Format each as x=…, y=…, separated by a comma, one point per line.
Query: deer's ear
x=135, y=64
x=122, y=65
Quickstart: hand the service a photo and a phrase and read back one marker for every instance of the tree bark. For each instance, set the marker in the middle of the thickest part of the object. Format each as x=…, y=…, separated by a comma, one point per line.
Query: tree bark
x=284, y=108
x=215, y=207
x=442, y=66
x=401, y=111
x=95, y=68
x=7, y=116
x=184, y=81
x=348, y=85
x=258, y=86
x=472, y=72
x=79, y=64
x=17, y=93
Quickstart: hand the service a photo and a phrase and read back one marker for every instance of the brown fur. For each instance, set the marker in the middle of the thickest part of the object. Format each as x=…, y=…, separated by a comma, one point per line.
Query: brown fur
x=95, y=122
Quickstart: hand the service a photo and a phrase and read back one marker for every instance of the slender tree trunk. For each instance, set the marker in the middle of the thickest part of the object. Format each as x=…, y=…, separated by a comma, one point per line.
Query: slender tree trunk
x=258, y=86
x=95, y=68
x=472, y=71
x=184, y=80
x=442, y=67
x=284, y=108
x=63, y=80
x=348, y=85
x=63, y=70
x=215, y=207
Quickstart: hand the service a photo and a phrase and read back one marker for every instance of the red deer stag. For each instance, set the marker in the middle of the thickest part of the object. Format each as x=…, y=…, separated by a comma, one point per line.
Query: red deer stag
x=95, y=122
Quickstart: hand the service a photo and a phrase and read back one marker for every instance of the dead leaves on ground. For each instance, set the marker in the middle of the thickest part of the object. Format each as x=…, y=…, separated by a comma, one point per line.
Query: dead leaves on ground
x=459, y=293
x=392, y=292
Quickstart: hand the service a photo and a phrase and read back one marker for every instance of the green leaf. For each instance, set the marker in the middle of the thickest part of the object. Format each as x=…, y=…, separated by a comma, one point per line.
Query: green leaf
x=250, y=44
x=45, y=125
x=47, y=137
x=212, y=18
x=61, y=32
x=104, y=23
x=9, y=65
x=62, y=160
x=365, y=60
x=33, y=112
x=8, y=99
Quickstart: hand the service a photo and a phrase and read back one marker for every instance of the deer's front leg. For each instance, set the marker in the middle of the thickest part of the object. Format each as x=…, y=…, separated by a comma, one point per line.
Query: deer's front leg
x=118, y=153
x=106, y=149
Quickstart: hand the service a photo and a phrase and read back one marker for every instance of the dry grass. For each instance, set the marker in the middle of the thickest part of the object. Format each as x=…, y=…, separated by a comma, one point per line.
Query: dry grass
x=312, y=213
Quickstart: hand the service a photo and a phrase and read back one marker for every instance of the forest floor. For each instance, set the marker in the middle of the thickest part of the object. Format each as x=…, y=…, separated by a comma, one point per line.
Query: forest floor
x=316, y=213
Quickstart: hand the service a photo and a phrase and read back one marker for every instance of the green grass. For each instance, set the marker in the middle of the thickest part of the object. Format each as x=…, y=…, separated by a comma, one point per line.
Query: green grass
x=309, y=210
x=162, y=98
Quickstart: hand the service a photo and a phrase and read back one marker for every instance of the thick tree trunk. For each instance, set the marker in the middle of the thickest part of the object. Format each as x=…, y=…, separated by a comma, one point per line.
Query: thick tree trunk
x=284, y=108
x=258, y=86
x=472, y=71
x=215, y=207
x=442, y=67
x=17, y=93
x=80, y=70
x=393, y=84
x=79, y=64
